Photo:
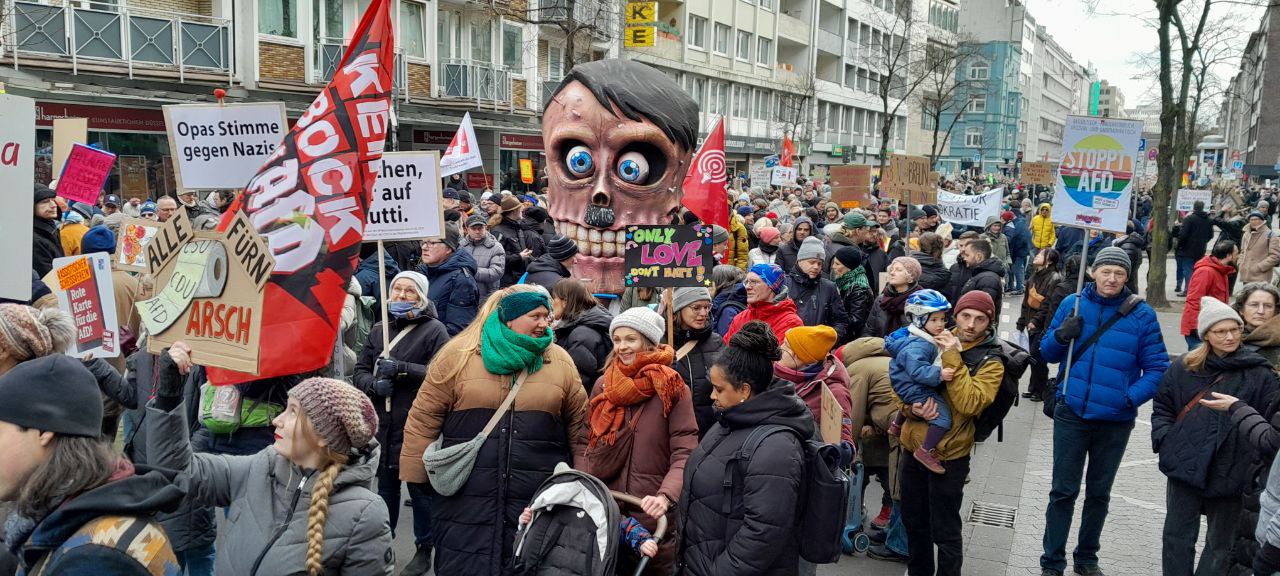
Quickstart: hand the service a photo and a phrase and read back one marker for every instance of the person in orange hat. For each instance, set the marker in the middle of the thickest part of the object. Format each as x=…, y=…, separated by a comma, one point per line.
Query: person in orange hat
x=808, y=363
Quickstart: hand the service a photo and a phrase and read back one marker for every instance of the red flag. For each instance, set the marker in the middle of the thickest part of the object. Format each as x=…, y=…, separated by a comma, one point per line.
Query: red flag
x=309, y=202
x=788, y=151
x=704, y=184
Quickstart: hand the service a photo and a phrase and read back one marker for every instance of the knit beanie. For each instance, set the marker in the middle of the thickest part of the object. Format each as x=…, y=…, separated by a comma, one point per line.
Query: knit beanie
x=420, y=282
x=98, y=239
x=1213, y=311
x=53, y=393
x=810, y=344
x=851, y=257
x=683, y=297
x=977, y=300
x=339, y=413
x=642, y=320
x=718, y=234
x=772, y=275
x=561, y=248
x=910, y=264
x=518, y=304
x=854, y=220
x=27, y=332
x=452, y=237
x=44, y=193
x=810, y=249
x=744, y=211
x=768, y=234
x=1113, y=256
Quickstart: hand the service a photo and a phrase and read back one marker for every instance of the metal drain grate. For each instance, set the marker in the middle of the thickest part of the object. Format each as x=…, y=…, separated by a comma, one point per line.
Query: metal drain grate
x=997, y=515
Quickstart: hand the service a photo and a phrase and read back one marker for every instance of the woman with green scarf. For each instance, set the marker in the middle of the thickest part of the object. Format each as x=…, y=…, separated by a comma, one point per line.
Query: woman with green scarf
x=851, y=279
x=466, y=382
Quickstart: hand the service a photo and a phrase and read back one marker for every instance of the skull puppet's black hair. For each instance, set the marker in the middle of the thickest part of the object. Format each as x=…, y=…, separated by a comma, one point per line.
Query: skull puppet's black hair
x=640, y=92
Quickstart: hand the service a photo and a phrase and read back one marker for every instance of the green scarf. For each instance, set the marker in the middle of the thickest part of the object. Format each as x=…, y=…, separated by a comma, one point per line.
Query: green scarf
x=856, y=277
x=506, y=351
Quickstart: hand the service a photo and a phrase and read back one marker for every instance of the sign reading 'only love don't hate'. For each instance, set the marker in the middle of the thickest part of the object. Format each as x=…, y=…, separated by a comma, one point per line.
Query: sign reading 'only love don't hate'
x=662, y=256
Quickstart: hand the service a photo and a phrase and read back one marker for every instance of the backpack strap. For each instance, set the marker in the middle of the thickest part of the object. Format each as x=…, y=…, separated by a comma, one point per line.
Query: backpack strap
x=735, y=471
x=138, y=538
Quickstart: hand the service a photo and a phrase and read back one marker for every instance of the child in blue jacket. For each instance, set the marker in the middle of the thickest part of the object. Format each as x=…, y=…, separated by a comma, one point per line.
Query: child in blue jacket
x=915, y=372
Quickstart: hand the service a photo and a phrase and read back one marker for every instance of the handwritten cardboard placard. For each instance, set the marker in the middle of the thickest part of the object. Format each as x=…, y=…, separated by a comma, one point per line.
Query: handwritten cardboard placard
x=832, y=416
x=851, y=185
x=1039, y=173
x=407, y=201
x=908, y=180
x=663, y=256
x=67, y=132
x=83, y=287
x=134, y=181
x=84, y=173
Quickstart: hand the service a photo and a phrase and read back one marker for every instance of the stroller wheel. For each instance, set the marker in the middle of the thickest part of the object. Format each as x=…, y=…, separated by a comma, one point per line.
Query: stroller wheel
x=849, y=540
x=861, y=542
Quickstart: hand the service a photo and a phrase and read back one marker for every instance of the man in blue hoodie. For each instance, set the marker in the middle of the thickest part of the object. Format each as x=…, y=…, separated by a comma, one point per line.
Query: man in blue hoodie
x=452, y=276
x=1116, y=364
x=1019, y=234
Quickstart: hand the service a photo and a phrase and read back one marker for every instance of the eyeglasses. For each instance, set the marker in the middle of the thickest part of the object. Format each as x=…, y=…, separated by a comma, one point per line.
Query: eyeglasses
x=700, y=308
x=1227, y=332
x=1260, y=306
x=427, y=243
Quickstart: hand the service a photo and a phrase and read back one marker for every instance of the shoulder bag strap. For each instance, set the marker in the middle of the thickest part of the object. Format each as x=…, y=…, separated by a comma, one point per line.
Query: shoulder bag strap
x=1093, y=338
x=506, y=404
x=1196, y=399
x=685, y=349
x=387, y=353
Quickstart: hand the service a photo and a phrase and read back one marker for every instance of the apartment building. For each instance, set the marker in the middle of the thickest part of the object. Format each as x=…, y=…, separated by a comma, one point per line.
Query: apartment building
x=999, y=44
x=772, y=66
x=117, y=62
x=940, y=37
x=1055, y=83
x=1110, y=101
x=1250, y=103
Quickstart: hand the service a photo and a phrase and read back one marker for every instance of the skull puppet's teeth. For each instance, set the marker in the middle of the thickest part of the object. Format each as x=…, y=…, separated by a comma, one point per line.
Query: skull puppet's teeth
x=608, y=236
x=593, y=235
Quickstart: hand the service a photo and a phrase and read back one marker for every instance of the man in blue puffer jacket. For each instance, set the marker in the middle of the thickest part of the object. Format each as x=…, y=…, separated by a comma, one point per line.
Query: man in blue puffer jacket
x=1098, y=402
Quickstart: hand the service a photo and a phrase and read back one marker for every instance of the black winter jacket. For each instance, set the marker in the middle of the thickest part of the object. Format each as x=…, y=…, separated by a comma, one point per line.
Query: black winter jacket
x=786, y=259
x=1044, y=282
x=515, y=238
x=758, y=537
x=45, y=245
x=988, y=276
x=818, y=302
x=933, y=274
x=1134, y=246
x=1203, y=450
x=1194, y=235
x=695, y=368
x=1264, y=436
x=960, y=275
x=453, y=290
x=545, y=271
x=875, y=263
x=586, y=339
x=857, y=308
x=415, y=352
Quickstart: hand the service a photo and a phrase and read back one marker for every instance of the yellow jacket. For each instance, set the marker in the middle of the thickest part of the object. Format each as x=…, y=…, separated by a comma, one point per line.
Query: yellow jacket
x=1043, y=234
x=739, y=248
x=71, y=235
x=967, y=396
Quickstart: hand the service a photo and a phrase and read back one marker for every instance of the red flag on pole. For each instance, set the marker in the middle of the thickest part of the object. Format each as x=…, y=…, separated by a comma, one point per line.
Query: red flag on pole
x=788, y=151
x=309, y=202
x=704, y=193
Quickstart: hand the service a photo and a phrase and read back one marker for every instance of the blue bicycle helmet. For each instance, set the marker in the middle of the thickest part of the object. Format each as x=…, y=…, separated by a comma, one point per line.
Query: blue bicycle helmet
x=923, y=303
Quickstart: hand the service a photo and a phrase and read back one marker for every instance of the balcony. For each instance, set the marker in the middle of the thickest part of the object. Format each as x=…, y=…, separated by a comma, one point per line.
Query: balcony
x=601, y=15
x=794, y=28
x=479, y=81
x=330, y=55
x=830, y=42
x=145, y=41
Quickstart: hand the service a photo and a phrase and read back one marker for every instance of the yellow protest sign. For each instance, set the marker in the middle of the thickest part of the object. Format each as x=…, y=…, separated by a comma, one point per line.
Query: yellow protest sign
x=642, y=12
x=640, y=36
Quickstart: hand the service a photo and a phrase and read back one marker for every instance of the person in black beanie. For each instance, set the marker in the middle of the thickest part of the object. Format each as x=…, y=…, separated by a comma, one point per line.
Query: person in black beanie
x=554, y=266
x=68, y=484
x=855, y=291
x=45, y=242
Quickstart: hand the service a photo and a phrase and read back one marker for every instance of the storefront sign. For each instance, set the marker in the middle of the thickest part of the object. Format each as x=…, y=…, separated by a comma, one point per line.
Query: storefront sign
x=221, y=146
x=478, y=180
x=17, y=177
x=134, y=182
x=84, y=173
x=520, y=142
x=407, y=202
x=661, y=256
x=433, y=137
x=526, y=171
x=84, y=290
x=102, y=118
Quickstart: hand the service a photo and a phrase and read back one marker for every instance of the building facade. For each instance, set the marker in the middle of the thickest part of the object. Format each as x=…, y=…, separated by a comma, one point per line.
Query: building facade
x=1251, y=103
x=1110, y=101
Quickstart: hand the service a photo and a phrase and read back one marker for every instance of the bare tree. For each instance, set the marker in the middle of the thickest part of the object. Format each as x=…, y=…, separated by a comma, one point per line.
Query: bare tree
x=942, y=98
x=902, y=66
x=581, y=22
x=797, y=102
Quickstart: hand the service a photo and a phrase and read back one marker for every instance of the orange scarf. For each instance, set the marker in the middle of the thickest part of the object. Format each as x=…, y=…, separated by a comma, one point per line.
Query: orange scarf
x=624, y=386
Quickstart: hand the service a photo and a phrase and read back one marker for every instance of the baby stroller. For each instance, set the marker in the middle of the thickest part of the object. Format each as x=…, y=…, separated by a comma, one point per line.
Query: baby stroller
x=854, y=538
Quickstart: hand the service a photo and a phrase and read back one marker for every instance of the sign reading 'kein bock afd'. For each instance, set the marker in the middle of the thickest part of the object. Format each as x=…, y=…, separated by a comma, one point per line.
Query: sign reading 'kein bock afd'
x=1095, y=178
x=661, y=256
x=221, y=146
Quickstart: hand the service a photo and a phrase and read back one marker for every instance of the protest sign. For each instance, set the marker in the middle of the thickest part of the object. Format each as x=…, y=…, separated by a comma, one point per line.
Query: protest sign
x=662, y=256
x=1187, y=198
x=407, y=201
x=209, y=293
x=832, y=417
x=463, y=152
x=221, y=146
x=970, y=210
x=84, y=173
x=1095, y=178
x=784, y=176
x=66, y=132
x=17, y=178
x=84, y=290
x=134, y=182
x=907, y=179
x=760, y=174
x=1039, y=173
x=851, y=185
x=131, y=243
x=526, y=171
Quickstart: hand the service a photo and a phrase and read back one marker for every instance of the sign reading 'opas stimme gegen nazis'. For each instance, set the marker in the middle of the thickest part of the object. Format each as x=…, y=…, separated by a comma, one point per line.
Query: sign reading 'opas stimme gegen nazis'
x=221, y=146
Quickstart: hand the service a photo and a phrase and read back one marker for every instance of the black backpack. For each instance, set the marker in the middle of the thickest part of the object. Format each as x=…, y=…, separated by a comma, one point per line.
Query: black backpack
x=1016, y=360
x=824, y=493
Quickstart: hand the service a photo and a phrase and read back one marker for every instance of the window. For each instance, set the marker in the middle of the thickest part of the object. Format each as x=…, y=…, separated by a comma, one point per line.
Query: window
x=761, y=108
x=979, y=71
x=741, y=101
x=555, y=63
x=719, y=103
x=833, y=116
x=766, y=4
x=278, y=18
x=764, y=51
x=697, y=32
x=846, y=123
x=513, y=47
x=413, y=40
x=447, y=35
x=721, y=39
x=859, y=120
x=482, y=42
x=698, y=90
x=973, y=137
x=977, y=103
x=744, y=45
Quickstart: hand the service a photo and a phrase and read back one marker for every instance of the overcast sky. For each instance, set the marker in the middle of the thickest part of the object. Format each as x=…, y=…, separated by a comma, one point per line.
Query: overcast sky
x=1111, y=42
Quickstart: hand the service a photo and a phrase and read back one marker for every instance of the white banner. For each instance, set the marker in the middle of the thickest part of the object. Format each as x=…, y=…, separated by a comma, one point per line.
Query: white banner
x=221, y=146
x=1187, y=198
x=17, y=177
x=407, y=201
x=463, y=152
x=1094, y=186
x=970, y=210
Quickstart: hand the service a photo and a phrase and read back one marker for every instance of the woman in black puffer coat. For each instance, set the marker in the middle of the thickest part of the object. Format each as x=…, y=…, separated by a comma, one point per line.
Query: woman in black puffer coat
x=855, y=291
x=692, y=315
x=582, y=329
x=764, y=541
x=1207, y=463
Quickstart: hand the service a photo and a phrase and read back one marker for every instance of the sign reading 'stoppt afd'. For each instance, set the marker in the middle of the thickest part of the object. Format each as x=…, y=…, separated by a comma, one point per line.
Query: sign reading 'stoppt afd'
x=662, y=256
x=209, y=292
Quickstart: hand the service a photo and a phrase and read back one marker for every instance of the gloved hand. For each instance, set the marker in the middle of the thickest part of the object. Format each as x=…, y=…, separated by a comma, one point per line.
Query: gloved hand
x=1267, y=560
x=383, y=387
x=387, y=368
x=171, y=378
x=1069, y=329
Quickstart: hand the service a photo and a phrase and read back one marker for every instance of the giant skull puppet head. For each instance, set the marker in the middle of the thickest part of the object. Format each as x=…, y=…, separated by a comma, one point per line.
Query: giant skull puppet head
x=618, y=137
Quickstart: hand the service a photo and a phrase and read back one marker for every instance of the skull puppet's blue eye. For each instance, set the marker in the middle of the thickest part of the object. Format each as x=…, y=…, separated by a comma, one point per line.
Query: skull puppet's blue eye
x=633, y=168
x=579, y=160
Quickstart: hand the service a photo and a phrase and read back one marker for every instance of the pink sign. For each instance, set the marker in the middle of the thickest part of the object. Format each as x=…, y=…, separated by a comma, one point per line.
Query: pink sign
x=84, y=173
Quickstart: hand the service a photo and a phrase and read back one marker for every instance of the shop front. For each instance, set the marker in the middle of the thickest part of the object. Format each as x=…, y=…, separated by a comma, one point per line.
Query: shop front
x=515, y=149
x=135, y=135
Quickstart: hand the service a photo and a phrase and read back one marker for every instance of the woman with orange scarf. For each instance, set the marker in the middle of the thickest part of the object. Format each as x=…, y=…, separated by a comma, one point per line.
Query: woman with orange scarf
x=641, y=427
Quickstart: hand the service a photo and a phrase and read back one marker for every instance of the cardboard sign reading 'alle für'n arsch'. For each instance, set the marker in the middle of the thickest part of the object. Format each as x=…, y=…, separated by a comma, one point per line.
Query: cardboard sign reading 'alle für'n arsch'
x=662, y=256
